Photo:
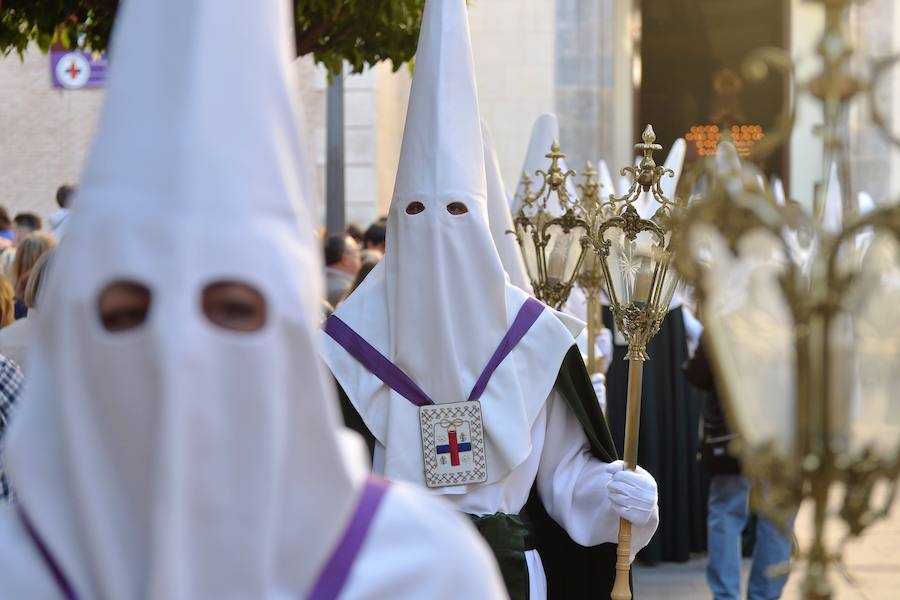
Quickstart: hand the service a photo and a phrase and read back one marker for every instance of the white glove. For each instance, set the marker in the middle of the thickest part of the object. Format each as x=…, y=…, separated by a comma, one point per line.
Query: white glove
x=632, y=494
x=605, y=346
x=599, y=381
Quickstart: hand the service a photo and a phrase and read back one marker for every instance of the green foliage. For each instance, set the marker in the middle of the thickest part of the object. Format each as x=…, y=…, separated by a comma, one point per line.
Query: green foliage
x=361, y=32
x=85, y=23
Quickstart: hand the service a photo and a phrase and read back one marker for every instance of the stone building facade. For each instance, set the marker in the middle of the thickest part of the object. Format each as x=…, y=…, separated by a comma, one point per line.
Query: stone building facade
x=45, y=133
x=572, y=57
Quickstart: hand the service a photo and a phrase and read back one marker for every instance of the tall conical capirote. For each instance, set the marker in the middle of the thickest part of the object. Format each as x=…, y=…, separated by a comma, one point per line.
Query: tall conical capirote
x=181, y=459
x=439, y=304
x=500, y=217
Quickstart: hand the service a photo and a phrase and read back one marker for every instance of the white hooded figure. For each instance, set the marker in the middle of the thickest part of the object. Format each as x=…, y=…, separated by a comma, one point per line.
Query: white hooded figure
x=500, y=217
x=178, y=439
x=449, y=367
x=607, y=186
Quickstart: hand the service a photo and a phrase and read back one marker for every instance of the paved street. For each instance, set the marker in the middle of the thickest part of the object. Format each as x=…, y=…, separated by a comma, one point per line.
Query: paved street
x=873, y=569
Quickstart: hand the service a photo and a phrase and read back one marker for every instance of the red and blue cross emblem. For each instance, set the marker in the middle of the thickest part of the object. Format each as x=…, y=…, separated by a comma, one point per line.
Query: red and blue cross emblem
x=457, y=442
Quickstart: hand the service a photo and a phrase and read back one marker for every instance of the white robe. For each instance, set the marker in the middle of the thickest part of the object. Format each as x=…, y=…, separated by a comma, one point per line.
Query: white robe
x=409, y=536
x=571, y=482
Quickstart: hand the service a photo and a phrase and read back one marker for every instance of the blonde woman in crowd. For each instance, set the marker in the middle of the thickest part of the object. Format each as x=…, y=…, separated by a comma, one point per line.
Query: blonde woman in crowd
x=14, y=340
x=7, y=303
x=11, y=377
x=27, y=253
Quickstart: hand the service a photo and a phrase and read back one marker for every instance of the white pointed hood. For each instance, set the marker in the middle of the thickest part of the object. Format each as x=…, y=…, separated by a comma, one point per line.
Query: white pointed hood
x=430, y=259
x=500, y=217
x=607, y=186
x=674, y=161
x=544, y=133
x=438, y=304
x=179, y=459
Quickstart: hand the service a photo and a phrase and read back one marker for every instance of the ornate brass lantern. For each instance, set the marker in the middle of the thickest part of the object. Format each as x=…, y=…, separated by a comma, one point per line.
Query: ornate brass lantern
x=551, y=232
x=634, y=258
x=806, y=353
x=597, y=243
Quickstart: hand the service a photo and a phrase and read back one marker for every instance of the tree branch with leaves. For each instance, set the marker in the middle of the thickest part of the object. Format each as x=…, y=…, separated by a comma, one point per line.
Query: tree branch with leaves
x=360, y=32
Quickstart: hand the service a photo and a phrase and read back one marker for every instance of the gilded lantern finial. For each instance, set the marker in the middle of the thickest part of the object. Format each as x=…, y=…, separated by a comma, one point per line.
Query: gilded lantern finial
x=555, y=153
x=555, y=178
x=645, y=176
x=648, y=174
x=555, y=172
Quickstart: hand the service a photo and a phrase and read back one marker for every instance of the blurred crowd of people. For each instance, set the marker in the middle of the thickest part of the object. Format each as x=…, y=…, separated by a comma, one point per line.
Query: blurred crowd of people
x=350, y=256
x=25, y=251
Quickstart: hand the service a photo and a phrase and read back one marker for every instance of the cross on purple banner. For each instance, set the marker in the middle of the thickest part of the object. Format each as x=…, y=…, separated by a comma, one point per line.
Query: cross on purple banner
x=77, y=70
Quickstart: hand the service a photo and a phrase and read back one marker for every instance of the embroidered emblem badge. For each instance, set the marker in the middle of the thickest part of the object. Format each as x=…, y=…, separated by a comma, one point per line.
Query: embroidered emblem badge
x=453, y=444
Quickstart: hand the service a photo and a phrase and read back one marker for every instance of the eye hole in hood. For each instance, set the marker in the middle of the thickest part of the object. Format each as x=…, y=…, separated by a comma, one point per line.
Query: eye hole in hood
x=414, y=208
x=457, y=208
x=124, y=305
x=234, y=306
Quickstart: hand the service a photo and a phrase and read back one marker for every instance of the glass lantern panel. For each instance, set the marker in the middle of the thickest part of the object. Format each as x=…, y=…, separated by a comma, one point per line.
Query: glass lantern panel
x=619, y=249
x=669, y=280
x=631, y=265
x=563, y=251
x=868, y=347
x=750, y=331
x=591, y=274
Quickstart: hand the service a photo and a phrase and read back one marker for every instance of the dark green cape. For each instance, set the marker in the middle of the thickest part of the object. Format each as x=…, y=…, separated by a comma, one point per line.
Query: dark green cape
x=573, y=571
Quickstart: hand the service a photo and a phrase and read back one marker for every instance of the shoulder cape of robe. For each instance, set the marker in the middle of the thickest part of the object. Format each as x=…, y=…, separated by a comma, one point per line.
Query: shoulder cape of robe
x=574, y=572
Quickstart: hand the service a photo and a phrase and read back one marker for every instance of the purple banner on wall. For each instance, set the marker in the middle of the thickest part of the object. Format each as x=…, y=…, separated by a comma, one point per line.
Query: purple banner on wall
x=77, y=70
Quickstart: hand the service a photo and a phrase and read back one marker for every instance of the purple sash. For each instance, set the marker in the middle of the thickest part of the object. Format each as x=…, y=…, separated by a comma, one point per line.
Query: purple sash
x=62, y=582
x=392, y=376
x=334, y=576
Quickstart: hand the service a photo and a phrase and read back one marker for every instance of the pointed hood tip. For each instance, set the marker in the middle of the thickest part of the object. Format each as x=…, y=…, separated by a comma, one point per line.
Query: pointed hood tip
x=443, y=113
x=675, y=162
x=186, y=135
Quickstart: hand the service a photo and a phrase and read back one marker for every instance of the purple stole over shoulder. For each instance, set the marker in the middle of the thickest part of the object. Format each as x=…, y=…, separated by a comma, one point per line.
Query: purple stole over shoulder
x=392, y=376
x=332, y=578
